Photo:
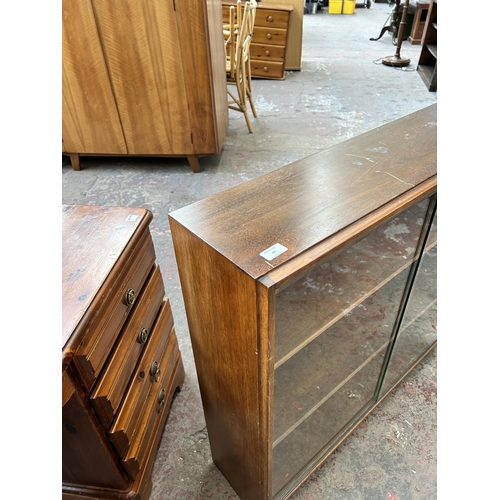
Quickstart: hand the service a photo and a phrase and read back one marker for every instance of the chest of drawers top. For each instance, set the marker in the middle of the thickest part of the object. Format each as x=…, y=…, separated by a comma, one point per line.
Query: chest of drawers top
x=99, y=244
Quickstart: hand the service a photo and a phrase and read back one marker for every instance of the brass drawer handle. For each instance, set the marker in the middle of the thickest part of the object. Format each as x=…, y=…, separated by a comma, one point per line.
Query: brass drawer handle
x=143, y=336
x=266, y=68
x=269, y=36
x=130, y=296
x=269, y=19
x=154, y=368
x=267, y=53
x=161, y=398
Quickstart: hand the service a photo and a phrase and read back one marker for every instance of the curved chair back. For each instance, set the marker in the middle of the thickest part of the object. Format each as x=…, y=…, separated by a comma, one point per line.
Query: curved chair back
x=242, y=68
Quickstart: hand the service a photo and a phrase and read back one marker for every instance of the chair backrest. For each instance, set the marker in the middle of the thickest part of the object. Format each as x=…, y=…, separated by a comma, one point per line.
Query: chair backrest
x=245, y=32
x=238, y=13
x=253, y=4
x=230, y=43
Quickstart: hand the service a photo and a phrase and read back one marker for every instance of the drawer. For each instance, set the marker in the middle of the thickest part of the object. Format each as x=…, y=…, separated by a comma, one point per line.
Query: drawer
x=133, y=408
x=156, y=405
x=225, y=14
x=269, y=36
x=267, y=69
x=115, y=377
x=268, y=17
x=267, y=52
x=105, y=325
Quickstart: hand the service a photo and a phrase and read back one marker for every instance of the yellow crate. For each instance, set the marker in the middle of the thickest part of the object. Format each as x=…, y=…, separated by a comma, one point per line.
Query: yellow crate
x=341, y=6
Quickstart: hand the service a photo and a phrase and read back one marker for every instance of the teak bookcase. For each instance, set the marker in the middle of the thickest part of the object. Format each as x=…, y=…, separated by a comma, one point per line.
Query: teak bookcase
x=310, y=293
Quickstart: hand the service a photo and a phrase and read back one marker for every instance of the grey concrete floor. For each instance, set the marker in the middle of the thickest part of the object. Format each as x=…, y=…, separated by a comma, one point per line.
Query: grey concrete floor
x=341, y=91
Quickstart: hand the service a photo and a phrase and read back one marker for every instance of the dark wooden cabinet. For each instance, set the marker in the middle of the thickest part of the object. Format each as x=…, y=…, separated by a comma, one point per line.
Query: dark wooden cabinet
x=418, y=25
x=427, y=63
x=120, y=360
x=310, y=293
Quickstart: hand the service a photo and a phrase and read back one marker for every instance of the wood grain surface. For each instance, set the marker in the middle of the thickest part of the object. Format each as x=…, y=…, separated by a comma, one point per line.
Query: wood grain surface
x=310, y=200
x=246, y=310
x=94, y=239
x=221, y=308
x=143, y=77
x=141, y=44
x=90, y=120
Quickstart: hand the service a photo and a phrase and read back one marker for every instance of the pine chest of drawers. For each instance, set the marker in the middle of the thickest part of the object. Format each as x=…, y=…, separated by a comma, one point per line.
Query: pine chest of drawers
x=120, y=359
x=269, y=39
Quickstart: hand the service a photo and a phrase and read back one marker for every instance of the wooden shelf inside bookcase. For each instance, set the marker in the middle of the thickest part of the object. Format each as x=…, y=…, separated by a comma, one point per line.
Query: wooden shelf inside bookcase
x=310, y=384
x=432, y=47
x=328, y=424
x=296, y=326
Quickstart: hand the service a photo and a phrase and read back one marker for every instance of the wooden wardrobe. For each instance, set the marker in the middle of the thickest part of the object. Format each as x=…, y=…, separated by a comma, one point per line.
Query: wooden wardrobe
x=143, y=77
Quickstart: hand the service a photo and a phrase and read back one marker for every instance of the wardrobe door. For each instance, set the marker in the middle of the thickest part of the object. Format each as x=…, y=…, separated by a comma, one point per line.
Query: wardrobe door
x=145, y=55
x=204, y=64
x=90, y=121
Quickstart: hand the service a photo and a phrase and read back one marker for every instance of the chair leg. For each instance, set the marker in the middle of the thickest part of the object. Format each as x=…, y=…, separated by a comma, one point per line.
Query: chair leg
x=243, y=93
x=243, y=106
x=249, y=123
x=249, y=90
x=238, y=103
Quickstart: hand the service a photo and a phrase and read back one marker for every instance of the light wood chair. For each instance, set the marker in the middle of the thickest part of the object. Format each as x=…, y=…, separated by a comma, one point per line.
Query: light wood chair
x=229, y=30
x=238, y=69
x=235, y=12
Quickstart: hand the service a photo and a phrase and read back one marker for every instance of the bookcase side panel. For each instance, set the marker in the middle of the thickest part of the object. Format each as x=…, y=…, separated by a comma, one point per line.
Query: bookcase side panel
x=221, y=309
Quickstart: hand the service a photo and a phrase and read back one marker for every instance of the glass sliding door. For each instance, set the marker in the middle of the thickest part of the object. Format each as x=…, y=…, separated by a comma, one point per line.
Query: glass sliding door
x=418, y=330
x=334, y=327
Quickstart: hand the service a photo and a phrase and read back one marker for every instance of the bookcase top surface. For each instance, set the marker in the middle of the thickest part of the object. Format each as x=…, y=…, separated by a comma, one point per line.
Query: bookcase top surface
x=300, y=205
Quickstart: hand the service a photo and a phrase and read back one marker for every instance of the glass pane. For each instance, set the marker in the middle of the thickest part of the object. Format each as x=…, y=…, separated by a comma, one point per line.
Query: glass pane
x=308, y=440
x=419, y=324
x=333, y=328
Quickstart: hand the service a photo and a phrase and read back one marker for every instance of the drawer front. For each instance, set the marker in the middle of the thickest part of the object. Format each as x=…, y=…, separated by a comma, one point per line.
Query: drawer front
x=126, y=424
x=225, y=14
x=115, y=377
x=269, y=36
x=171, y=378
x=267, y=69
x=274, y=18
x=106, y=324
x=267, y=52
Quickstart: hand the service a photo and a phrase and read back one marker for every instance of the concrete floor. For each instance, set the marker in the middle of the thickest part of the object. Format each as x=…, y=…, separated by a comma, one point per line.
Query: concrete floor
x=341, y=91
